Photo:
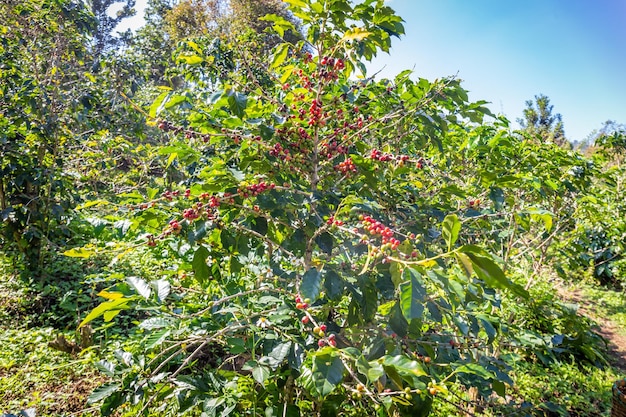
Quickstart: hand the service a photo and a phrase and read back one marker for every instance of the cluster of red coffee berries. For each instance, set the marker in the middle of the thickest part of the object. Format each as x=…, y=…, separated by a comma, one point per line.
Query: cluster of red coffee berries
x=473, y=203
x=315, y=113
x=377, y=155
x=330, y=68
x=305, y=81
x=331, y=149
x=166, y=126
x=192, y=213
x=376, y=228
x=278, y=151
x=213, y=200
x=334, y=222
x=174, y=226
x=330, y=340
x=300, y=304
x=169, y=195
x=255, y=189
x=346, y=167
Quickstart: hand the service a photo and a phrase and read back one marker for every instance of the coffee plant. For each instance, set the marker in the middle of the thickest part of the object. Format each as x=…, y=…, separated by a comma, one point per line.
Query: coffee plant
x=336, y=243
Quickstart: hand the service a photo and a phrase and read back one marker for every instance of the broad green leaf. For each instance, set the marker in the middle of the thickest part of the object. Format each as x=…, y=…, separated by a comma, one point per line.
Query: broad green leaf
x=450, y=229
x=487, y=270
x=489, y=329
x=237, y=103
x=396, y=269
x=542, y=215
x=357, y=34
x=334, y=284
x=465, y=263
x=106, y=367
x=311, y=284
x=102, y=392
x=499, y=387
x=175, y=100
x=296, y=3
x=93, y=203
x=280, y=352
x=119, y=304
x=261, y=374
x=397, y=321
x=326, y=242
x=412, y=294
x=156, y=338
x=280, y=54
x=110, y=295
x=140, y=285
x=327, y=374
x=79, y=253
x=190, y=59
x=162, y=288
x=200, y=268
x=474, y=369
x=280, y=24
x=158, y=104
x=110, y=315
x=404, y=365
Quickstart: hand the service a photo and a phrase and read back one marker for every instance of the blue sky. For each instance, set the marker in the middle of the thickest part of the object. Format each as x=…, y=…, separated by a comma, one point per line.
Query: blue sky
x=508, y=51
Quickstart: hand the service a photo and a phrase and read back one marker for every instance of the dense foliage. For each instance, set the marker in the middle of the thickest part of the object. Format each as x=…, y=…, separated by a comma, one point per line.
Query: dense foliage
x=269, y=230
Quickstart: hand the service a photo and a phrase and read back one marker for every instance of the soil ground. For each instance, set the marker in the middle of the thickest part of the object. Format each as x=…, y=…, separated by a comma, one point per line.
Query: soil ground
x=610, y=331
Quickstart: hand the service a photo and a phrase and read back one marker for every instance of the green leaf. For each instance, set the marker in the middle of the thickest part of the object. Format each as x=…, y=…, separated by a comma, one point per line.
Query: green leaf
x=412, y=294
x=474, y=369
x=451, y=227
x=158, y=104
x=190, y=59
x=162, y=288
x=102, y=392
x=465, y=263
x=237, y=103
x=311, y=284
x=487, y=270
x=260, y=372
x=357, y=34
x=280, y=54
x=325, y=241
x=489, y=329
x=397, y=322
x=156, y=338
x=113, y=305
x=334, y=285
x=106, y=367
x=396, y=270
x=280, y=24
x=200, y=268
x=404, y=365
x=542, y=215
x=280, y=352
x=141, y=286
x=176, y=100
x=499, y=387
x=327, y=374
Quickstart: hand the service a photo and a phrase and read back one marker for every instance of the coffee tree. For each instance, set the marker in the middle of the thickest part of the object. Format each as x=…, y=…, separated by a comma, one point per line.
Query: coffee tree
x=321, y=260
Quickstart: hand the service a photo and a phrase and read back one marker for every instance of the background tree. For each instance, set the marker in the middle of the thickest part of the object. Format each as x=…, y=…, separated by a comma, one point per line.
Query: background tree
x=192, y=18
x=43, y=92
x=539, y=120
x=103, y=37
